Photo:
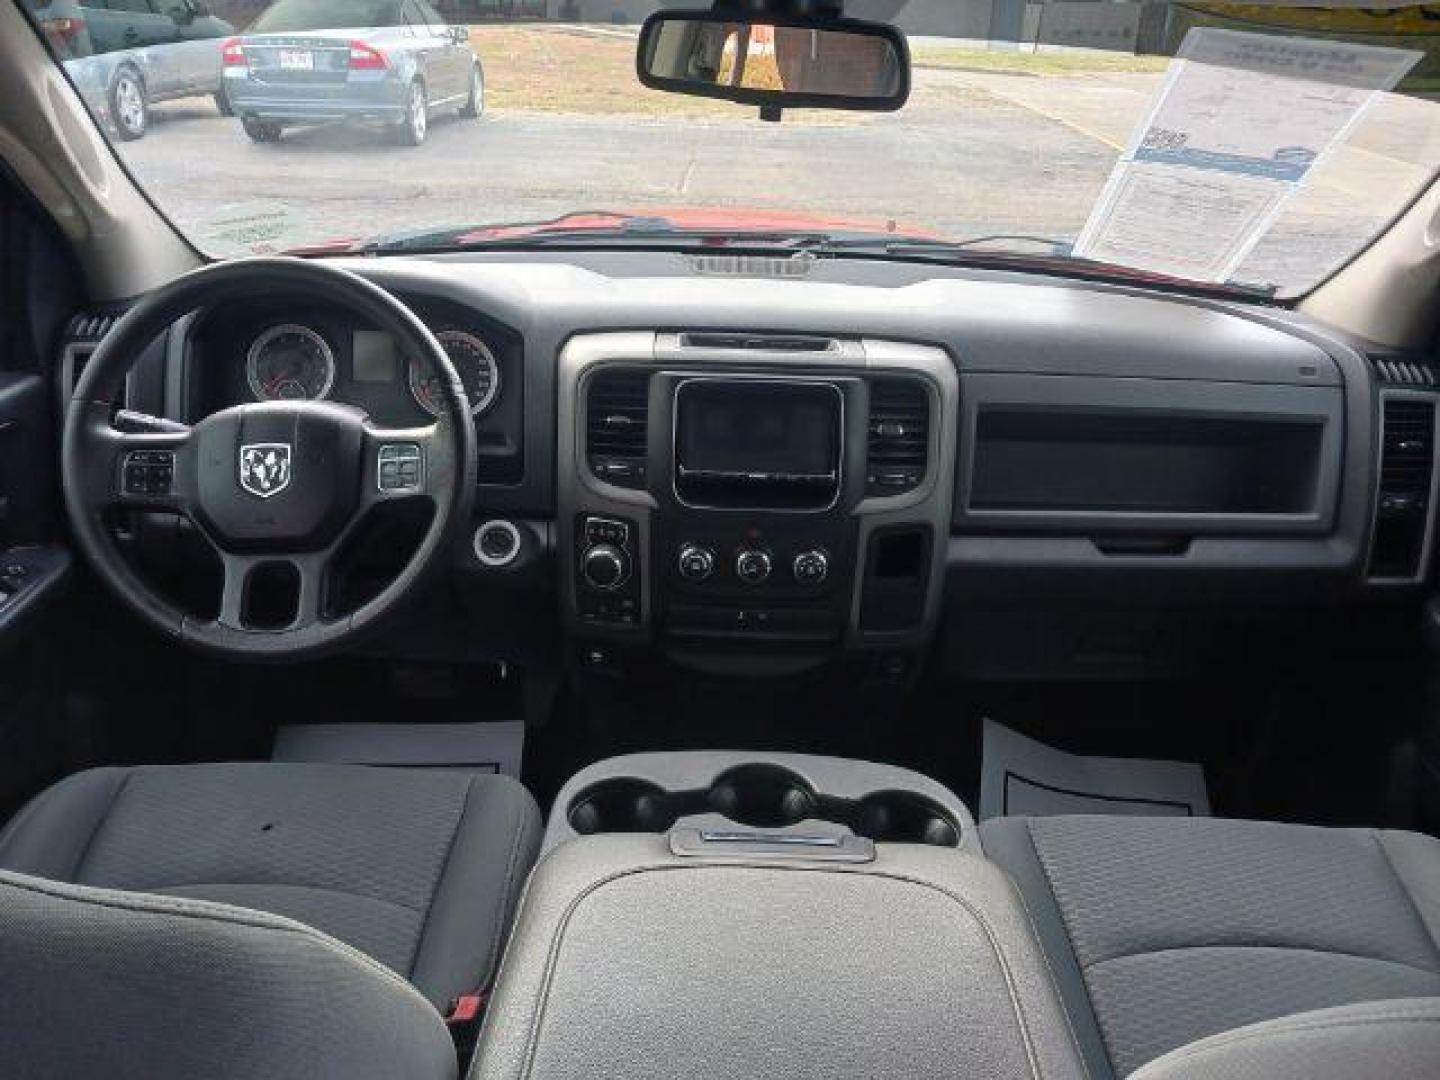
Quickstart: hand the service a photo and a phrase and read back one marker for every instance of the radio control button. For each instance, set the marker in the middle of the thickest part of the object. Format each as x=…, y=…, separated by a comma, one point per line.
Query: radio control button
x=752, y=566
x=696, y=562
x=811, y=567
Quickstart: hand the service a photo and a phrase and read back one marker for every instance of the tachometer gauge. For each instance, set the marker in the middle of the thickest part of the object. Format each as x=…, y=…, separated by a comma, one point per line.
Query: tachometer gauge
x=478, y=370
x=290, y=362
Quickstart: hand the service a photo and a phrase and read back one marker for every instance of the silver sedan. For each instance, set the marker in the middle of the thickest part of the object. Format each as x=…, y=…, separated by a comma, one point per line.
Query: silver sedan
x=395, y=62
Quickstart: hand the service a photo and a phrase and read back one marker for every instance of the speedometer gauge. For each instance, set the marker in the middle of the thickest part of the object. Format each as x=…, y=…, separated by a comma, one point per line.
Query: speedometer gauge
x=478, y=370
x=290, y=362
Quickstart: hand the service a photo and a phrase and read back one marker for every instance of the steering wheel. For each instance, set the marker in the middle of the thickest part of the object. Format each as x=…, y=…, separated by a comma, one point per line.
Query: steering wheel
x=276, y=488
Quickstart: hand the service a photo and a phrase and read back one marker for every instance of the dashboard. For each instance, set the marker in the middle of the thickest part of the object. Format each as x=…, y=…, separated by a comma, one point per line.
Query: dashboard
x=752, y=464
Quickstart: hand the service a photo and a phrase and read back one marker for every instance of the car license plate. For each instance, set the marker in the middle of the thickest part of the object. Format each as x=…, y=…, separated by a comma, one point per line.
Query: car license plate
x=296, y=60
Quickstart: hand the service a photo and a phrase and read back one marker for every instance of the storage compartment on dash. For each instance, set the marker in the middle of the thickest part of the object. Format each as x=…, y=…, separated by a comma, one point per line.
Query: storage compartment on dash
x=1117, y=461
x=758, y=444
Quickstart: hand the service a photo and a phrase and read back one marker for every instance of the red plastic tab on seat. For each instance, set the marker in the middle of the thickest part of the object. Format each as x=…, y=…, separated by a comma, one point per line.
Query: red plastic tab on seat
x=467, y=1009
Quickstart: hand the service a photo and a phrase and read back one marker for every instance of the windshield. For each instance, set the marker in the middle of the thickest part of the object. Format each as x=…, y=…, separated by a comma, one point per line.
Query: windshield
x=1236, y=146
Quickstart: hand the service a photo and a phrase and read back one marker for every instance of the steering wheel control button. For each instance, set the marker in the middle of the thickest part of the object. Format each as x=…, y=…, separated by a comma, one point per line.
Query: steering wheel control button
x=752, y=566
x=696, y=563
x=811, y=567
x=497, y=543
x=149, y=472
x=400, y=468
x=605, y=567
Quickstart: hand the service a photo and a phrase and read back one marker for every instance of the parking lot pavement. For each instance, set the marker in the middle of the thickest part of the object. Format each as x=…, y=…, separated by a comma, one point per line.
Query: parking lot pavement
x=957, y=161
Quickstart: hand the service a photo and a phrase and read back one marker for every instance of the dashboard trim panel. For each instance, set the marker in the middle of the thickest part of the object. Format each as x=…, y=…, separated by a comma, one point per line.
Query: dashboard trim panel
x=580, y=492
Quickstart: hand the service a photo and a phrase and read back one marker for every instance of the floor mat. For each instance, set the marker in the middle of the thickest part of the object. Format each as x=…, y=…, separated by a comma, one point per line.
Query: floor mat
x=493, y=747
x=1020, y=776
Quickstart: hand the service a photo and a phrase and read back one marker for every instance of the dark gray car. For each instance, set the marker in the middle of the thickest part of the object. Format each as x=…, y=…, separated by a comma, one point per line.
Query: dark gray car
x=392, y=61
x=125, y=55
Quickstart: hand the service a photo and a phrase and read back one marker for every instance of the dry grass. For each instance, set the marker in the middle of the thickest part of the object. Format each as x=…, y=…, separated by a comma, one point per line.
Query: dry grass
x=1043, y=64
x=576, y=72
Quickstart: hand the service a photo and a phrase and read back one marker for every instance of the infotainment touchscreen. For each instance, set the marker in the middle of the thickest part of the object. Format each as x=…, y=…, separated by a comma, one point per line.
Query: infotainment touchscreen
x=759, y=428
x=757, y=439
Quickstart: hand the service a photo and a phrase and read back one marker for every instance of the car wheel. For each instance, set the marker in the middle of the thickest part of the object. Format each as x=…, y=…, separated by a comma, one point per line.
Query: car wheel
x=411, y=130
x=222, y=102
x=128, y=109
x=260, y=131
x=474, y=106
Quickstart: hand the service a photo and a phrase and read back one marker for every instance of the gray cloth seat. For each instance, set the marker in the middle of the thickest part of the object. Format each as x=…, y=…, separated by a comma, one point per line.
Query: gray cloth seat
x=1394, y=1038
x=1164, y=931
x=130, y=986
x=418, y=869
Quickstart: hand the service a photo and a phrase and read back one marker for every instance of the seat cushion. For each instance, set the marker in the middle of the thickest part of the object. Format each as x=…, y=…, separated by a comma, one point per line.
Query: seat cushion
x=419, y=869
x=1162, y=931
x=131, y=986
x=1376, y=1038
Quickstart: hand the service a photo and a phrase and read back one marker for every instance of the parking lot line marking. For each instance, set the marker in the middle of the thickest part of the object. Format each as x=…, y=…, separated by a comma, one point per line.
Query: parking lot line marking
x=1058, y=119
x=686, y=176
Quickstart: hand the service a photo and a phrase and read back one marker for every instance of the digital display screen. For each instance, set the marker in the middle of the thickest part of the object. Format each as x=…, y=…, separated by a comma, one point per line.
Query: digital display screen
x=374, y=357
x=758, y=428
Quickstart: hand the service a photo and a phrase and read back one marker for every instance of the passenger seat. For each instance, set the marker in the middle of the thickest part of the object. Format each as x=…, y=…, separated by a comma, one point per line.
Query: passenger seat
x=1164, y=931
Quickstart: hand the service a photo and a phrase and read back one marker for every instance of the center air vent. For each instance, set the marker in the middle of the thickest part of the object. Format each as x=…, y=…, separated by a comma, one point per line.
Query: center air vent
x=1402, y=508
x=615, y=429
x=899, y=435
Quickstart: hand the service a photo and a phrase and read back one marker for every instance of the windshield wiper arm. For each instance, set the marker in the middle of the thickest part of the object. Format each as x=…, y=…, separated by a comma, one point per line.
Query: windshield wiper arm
x=579, y=228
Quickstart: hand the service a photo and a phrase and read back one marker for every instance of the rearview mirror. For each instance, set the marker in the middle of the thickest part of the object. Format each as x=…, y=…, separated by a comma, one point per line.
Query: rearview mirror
x=775, y=61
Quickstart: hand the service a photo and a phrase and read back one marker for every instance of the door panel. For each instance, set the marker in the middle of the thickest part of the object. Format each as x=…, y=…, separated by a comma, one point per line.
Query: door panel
x=26, y=452
x=127, y=24
x=197, y=53
x=37, y=282
x=454, y=58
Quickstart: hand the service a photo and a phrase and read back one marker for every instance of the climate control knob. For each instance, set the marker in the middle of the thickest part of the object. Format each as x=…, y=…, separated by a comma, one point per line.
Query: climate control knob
x=811, y=567
x=696, y=563
x=752, y=566
x=605, y=567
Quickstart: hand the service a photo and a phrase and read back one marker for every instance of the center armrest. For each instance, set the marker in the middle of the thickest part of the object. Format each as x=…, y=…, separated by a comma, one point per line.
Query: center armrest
x=629, y=960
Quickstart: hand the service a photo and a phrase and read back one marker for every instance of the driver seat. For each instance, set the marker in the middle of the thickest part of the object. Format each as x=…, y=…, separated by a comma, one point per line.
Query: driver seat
x=418, y=869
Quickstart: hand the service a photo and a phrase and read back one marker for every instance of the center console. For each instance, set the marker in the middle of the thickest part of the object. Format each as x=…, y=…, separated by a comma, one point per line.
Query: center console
x=719, y=914
x=763, y=492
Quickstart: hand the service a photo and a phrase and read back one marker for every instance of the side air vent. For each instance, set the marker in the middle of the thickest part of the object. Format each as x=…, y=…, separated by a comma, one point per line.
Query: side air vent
x=1402, y=508
x=1406, y=371
x=90, y=325
x=789, y=343
x=616, y=410
x=899, y=435
x=82, y=336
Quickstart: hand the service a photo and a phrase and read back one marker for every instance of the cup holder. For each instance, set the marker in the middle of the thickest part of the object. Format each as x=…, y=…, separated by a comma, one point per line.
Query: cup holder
x=622, y=805
x=903, y=817
x=761, y=796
